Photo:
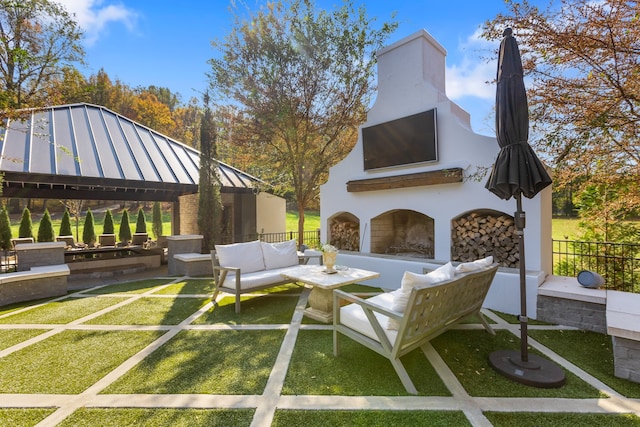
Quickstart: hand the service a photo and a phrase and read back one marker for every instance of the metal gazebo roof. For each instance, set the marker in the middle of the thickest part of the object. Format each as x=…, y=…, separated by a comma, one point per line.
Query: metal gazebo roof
x=84, y=151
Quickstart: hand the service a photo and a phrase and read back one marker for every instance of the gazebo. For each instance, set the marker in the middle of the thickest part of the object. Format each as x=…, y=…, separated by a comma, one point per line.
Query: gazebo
x=84, y=151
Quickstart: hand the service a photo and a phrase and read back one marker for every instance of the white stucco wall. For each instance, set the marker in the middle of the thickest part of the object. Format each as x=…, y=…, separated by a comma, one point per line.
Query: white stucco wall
x=271, y=213
x=411, y=74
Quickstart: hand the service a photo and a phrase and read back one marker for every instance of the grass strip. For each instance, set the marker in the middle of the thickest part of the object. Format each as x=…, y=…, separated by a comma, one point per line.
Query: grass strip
x=544, y=419
x=286, y=418
x=466, y=352
x=212, y=362
x=91, y=417
x=61, y=312
x=358, y=371
x=591, y=352
x=188, y=287
x=70, y=361
x=151, y=311
x=11, y=337
x=137, y=287
x=513, y=319
x=23, y=417
x=265, y=309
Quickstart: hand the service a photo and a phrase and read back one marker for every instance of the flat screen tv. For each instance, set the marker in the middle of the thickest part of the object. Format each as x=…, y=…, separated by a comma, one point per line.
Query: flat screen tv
x=408, y=140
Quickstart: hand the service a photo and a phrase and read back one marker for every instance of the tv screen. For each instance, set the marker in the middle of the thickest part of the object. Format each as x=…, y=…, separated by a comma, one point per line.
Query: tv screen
x=411, y=139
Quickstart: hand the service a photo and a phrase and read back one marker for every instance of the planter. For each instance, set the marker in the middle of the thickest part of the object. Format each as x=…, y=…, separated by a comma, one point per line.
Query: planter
x=329, y=260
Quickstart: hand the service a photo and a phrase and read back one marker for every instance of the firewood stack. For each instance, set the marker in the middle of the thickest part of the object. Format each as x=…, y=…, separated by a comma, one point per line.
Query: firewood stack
x=475, y=236
x=345, y=235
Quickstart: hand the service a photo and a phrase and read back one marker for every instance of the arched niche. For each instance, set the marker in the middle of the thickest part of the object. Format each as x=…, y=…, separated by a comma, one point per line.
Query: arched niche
x=343, y=231
x=483, y=232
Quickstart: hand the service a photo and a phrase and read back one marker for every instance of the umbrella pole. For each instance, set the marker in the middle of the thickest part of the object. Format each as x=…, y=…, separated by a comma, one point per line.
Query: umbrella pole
x=520, y=221
x=522, y=367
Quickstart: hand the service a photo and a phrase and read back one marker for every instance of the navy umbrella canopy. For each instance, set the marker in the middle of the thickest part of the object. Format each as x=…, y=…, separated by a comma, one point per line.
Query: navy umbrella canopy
x=517, y=172
x=517, y=169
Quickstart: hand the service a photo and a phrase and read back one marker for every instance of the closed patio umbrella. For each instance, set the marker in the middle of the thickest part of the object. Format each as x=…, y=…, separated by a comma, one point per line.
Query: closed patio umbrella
x=517, y=172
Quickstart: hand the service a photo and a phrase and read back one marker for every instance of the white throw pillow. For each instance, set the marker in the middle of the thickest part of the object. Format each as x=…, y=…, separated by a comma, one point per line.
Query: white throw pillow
x=478, y=264
x=245, y=256
x=277, y=255
x=410, y=280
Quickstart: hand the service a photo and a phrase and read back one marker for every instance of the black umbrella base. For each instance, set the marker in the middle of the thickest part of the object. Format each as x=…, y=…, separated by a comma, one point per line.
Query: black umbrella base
x=536, y=372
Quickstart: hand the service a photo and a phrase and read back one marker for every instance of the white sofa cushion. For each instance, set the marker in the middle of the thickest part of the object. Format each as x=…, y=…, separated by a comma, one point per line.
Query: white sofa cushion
x=245, y=256
x=354, y=317
x=410, y=280
x=255, y=280
x=478, y=264
x=277, y=255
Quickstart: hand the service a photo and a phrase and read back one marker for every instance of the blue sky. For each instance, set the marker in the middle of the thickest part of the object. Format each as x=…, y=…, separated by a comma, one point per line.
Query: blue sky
x=167, y=43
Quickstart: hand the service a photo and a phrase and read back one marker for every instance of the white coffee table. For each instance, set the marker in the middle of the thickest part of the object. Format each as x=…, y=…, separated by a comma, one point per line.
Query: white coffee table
x=321, y=297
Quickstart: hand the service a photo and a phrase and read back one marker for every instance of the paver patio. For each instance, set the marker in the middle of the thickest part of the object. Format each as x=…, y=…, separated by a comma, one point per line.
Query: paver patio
x=155, y=346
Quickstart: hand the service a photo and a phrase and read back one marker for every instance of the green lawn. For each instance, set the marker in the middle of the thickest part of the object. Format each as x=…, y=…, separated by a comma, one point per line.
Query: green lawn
x=118, y=357
x=561, y=227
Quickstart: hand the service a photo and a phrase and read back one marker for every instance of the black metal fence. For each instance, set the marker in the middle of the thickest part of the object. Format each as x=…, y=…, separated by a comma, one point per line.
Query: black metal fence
x=618, y=263
x=311, y=239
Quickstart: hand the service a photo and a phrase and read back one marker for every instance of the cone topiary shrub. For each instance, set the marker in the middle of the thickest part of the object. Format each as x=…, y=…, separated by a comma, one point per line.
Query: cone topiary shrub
x=89, y=232
x=125, y=228
x=108, y=227
x=26, y=227
x=45, y=228
x=5, y=229
x=141, y=222
x=65, y=224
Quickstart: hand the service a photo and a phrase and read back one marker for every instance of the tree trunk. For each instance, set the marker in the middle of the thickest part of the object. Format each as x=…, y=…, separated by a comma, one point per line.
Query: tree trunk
x=300, y=223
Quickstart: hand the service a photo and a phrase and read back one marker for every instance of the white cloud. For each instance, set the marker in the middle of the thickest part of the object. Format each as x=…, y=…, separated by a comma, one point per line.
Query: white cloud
x=94, y=16
x=469, y=76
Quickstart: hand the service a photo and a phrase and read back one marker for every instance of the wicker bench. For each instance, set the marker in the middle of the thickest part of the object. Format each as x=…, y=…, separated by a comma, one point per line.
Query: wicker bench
x=430, y=311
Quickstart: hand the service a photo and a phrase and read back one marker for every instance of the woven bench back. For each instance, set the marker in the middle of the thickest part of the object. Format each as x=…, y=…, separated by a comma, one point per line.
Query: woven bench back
x=432, y=308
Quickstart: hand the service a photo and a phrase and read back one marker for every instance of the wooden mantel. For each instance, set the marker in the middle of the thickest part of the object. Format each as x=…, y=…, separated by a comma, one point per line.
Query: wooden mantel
x=442, y=176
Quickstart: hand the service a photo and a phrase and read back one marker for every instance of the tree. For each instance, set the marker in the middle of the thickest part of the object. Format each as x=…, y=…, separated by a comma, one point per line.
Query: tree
x=124, y=234
x=5, y=229
x=152, y=113
x=107, y=227
x=89, y=232
x=38, y=39
x=209, y=199
x=141, y=222
x=75, y=209
x=156, y=227
x=581, y=58
x=65, y=224
x=26, y=226
x=302, y=79
x=45, y=228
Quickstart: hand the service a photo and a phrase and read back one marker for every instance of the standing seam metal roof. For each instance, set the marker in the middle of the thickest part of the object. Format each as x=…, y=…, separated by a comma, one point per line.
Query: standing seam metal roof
x=79, y=150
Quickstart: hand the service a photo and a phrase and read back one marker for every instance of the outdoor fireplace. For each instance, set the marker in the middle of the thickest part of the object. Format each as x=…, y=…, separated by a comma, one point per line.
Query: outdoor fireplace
x=402, y=232
x=418, y=207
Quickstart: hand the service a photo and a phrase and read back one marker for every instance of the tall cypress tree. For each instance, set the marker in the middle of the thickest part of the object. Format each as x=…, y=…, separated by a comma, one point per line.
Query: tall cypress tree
x=209, y=199
x=89, y=232
x=108, y=227
x=156, y=221
x=26, y=227
x=5, y=229
x=45, y=228
x=141, y=222
x=65, y=224
x=125, y=228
